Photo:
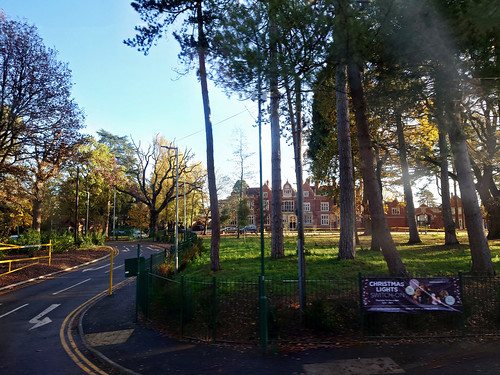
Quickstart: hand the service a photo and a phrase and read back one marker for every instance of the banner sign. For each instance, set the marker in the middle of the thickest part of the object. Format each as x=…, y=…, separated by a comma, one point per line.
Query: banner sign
x=408, y=295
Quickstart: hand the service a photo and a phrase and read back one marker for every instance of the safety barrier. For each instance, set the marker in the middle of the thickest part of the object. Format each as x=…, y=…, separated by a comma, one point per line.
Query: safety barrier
x=211, y=309
x=21, y=261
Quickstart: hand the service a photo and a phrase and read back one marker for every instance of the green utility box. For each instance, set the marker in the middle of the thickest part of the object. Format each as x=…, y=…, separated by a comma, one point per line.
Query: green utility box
x=134, y=265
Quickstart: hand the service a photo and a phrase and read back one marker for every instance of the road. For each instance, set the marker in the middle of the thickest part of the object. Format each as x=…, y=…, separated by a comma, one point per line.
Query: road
x=37, y=322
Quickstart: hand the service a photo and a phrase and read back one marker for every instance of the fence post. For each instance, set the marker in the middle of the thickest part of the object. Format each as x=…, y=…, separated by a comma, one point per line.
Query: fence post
x=110, y=292
x=214, y=308
x=137, y=283
x=50, y=251
x=462, y=321
x=182, y=306
x=361, y=310
x=263, y=314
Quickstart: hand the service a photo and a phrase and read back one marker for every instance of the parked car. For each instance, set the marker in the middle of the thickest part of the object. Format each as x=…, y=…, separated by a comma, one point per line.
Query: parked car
x=197, y=228
x=139, y=234
x=229, y=230
x=249, y=229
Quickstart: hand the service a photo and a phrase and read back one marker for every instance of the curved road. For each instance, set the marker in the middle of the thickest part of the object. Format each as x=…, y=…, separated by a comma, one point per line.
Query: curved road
x=37, y=322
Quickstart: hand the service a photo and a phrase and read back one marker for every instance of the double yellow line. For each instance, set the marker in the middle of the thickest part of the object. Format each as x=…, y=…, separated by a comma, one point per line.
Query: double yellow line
x=69, y=344
x=66, y=336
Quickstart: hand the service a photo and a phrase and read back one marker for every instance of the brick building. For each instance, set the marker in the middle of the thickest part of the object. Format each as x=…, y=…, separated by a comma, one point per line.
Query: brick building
x=319, y=210
x=426, y=216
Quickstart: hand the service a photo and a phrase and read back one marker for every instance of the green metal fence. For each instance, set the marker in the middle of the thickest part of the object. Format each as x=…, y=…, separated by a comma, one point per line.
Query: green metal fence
x=228, y=311
x=481, y=297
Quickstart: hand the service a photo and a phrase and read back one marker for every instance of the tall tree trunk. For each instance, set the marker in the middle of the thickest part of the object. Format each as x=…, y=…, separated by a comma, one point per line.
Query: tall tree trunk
x=277, y=247
x=410, y=207
x=450, y=233
x=492, y=207
x=296, y=124
x=212, y=188
x=106, y=221
x=37, y=205
x=479, y=248
x=347, y=242
x=490, y=197
x=379, y=222
x=153, y=221
x=375, y=243
x=77, y=198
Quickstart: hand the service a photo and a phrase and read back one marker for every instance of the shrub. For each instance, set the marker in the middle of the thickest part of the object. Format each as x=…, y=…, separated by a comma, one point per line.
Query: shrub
x=98, y=238
x=85, y=241
x=29, y=237
x=62, y=242
x=188, y=253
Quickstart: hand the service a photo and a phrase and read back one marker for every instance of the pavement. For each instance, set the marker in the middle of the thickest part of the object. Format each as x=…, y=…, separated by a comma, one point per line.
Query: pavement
x=109, y=330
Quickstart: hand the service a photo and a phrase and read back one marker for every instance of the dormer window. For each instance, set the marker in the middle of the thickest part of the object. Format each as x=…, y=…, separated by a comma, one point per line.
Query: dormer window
x=287, y=190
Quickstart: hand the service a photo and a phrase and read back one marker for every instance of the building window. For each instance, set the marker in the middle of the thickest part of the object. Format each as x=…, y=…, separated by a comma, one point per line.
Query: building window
x=264, y=194
x=266, y=205
x=396, y=211
x=287, y=192
x=307, y=206
x=250, y=205
x=266, y=220
x=308, y=219
x=306, y=193
x=287, y=206
x=325, y=220
x=325, y=206
x=251, y=220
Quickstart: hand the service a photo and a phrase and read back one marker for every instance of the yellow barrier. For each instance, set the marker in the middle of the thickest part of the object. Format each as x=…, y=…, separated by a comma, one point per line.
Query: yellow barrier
x=37, y=259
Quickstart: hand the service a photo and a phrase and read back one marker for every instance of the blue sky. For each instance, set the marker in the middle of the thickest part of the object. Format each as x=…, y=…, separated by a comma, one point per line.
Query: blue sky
x=127, y=93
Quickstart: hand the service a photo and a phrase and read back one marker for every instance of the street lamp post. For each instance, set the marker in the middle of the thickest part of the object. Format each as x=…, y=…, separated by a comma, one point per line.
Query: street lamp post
x=87, y=218
x=185, y=223
x=262, y=289
x=176, y=256
x=114, y=212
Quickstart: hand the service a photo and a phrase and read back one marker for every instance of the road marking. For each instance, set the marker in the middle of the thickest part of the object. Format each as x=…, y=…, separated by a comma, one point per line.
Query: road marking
x=108, y=338
x=96, y=268
x=10, y=312
x=69, y=287
x=36, y=320
x=68, y=343
x=115, y=268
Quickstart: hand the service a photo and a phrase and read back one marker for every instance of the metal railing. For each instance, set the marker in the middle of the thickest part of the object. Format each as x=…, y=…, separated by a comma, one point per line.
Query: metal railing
x=31, y=261
x=228, y=311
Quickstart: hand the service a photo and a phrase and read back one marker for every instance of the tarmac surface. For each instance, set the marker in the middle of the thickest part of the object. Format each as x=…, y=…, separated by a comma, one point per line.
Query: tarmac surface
x=108, y=329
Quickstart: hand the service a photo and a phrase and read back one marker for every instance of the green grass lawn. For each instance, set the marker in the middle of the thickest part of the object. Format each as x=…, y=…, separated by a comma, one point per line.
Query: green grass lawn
x=240, y=258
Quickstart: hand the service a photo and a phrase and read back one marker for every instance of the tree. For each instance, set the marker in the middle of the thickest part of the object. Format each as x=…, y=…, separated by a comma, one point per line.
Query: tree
x=246, y=51
x=374, y=195
x=15, y=207
x=355, y=35
x=347, y=242
x=448, y=69
x=159, y=15
x=39, y=120
x=99, y=175
x=450, y=236
x=154, y=180
x=241, y=156
x=121, y=148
